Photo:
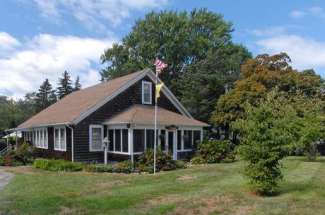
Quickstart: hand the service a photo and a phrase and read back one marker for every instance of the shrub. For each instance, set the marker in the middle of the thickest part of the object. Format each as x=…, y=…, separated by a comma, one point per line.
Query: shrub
x=163, y=161
x=57, y=165
x=2, y=161
x=180, y=164
x=266, y=134
x=98, y=168
x=120, y=167
x=198, y=160
x=22, y=156
x=123, y=167
x=24, y=153
x=214, y=151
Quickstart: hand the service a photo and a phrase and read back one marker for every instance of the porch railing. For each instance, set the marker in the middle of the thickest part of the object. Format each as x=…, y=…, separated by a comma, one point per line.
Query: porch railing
x=4, y=150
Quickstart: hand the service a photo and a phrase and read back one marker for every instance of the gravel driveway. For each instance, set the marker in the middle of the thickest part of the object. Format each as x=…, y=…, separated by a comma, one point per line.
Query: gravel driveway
x=5, y=177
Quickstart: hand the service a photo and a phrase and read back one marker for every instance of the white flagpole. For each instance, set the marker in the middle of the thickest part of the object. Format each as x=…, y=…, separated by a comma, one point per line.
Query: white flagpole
x=155, y=134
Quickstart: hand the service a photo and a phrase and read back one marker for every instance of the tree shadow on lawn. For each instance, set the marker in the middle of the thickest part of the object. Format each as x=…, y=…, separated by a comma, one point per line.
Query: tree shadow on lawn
x=319, y=159
x=287, y=187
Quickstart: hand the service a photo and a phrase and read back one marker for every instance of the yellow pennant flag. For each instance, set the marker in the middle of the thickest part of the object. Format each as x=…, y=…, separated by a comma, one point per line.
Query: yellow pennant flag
x=158, y=88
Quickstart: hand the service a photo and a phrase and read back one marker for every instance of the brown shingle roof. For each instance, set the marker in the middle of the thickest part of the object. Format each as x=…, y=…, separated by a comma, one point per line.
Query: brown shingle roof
x=144, y=115
x=73, y=105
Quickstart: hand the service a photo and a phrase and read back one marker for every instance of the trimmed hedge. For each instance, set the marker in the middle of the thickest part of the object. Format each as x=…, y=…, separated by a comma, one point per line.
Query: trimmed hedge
x=145, y=164
x=57, y=165
x=120, y=167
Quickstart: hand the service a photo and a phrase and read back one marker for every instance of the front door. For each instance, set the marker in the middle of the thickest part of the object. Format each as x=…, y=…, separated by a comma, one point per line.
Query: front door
x=172, y=144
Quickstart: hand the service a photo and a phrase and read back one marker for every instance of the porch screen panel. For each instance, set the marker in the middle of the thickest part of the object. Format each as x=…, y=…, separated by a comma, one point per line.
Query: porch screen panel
x=196, y=138
x=56, y=138
x=150, y=138
x=188, y=139
x=118, y=140
x=111, y=140
x=138, y=140
x=163, y=140
x=125, y=140
x=179, y=140
x=62, y=139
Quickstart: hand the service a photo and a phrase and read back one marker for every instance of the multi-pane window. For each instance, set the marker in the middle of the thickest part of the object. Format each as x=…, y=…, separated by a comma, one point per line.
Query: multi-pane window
x=40, y=138
x=96, y=137
x=146, y=92
x=118, y=140
x=60, y=139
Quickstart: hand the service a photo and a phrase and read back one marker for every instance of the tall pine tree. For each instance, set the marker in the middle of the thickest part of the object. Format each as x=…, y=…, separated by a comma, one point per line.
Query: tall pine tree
x=65, y=85
x=45, y=96
x=77, y=85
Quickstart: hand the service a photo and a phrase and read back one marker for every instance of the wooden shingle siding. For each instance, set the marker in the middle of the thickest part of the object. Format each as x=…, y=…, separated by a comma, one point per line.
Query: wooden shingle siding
x=129, y=97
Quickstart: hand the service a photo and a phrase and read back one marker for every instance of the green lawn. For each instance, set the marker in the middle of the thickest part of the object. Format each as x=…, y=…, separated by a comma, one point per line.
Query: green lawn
x=211, y=189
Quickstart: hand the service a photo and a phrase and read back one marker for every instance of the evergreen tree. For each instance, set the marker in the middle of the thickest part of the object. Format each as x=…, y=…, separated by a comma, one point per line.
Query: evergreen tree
x=45, y=96
x=65, y=85
x=77, y=85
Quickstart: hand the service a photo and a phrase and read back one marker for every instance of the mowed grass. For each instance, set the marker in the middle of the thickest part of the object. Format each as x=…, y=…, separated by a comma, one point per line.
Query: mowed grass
x=210, y=189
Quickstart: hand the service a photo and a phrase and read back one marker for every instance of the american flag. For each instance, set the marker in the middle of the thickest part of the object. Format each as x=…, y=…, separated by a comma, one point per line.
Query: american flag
x=160, y=65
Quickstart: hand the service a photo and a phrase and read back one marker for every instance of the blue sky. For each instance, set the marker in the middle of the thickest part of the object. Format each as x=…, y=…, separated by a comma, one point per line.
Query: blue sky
x=41, y=38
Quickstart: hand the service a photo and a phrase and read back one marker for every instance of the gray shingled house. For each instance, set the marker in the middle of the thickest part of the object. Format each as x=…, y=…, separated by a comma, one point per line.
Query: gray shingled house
x=122, y=110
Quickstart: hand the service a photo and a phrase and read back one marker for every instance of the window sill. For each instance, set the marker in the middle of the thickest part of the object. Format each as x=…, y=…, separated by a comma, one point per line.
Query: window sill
x=96, y=150
x=121, y=153
x=185, y=150
x=39, y=147
x=60, y=150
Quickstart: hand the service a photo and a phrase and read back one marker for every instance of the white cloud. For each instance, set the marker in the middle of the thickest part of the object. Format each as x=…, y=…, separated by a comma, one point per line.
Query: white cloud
x=269, y=31
x=305, y=52
x=315, y=11
x=7, y=42
x=47, y=56
x=297, y=14
x=95, y=13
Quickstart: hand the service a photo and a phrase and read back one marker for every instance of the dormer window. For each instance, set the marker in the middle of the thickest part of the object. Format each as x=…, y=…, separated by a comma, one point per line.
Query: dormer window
x=146, y=92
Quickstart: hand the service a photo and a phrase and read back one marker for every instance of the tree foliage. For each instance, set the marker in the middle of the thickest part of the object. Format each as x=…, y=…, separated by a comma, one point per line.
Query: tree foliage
x=77, y=85
x=45, y=96
x=14, y=112
x=196, y=46
x=208, y=79
x=260, y=76
x=266, y=137
x=65, y=85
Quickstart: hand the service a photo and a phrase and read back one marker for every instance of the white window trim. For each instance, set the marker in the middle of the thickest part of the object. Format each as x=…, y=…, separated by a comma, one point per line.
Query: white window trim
x=38, y=142
x=65, y=138
x=90, y=137
x=150, y=86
